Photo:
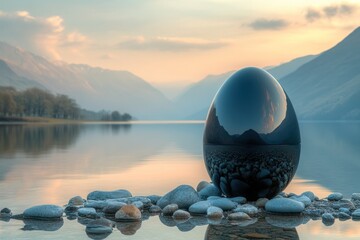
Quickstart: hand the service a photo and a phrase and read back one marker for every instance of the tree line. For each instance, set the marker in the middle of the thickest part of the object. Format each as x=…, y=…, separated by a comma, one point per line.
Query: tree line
x=36, y=102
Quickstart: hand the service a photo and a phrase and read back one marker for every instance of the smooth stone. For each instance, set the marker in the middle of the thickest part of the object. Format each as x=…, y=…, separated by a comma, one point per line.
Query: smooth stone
x=328, y=219
x=284, y=205
x=76, y=201
x=335, y=196
x=138, y=204
x=238, y=200
x=202, y=185
x=44, y=212
x=238, y=216
x=103, y=195
x=248, y=209
x=40, y=225
x=5, y=210
x=154, y=198
x=128, y=228
x=213, y=197
x=155, y=209
x=344, y=216
x=87, y=212
x=99, y=226
x=285, y=221
x=113, y=207
x=170, y=209
x=146, y=202
x=345, y=210
x=355, y=196
x=181, y=214
x=223, y=203
x=5, y=213
x=199, y=207
x=71, y=209
x=304, y=199
x=309, y=194
x=128, y=213
x=314, y=212
x=214, y=212
x=356, y=214
x=260, y=203
x=184, y=196
x=98, y=204
x=209, y=190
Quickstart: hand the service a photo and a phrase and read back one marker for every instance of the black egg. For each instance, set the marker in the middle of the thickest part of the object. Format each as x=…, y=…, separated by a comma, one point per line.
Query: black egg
x=251, y=140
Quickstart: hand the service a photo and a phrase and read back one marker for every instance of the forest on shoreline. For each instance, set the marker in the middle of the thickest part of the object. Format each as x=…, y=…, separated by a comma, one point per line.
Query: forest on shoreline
x=34, y=102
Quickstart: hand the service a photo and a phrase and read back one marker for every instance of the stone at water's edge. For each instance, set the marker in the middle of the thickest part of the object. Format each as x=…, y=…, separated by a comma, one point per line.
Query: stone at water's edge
x=239, y=216
x=199, y=207
x=284, y=205
x=87, y=212
x=248, y=209
x=170, y=209
x=99, y=226
x=214, y=212
x=181, y=215
x=128, y=213
x=44, y=212
x=104, y=195
x=209, y=190
x=184, y=196
x=251, y=139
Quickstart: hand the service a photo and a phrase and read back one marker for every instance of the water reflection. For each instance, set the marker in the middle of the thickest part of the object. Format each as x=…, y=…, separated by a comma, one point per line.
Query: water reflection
x=259, y=230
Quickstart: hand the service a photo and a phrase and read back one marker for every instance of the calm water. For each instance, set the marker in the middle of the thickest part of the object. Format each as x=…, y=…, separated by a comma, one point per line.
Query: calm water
x=52, y=163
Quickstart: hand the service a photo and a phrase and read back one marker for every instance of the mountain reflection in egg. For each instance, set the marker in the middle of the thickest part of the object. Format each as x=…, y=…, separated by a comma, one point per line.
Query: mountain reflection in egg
x=251, y=138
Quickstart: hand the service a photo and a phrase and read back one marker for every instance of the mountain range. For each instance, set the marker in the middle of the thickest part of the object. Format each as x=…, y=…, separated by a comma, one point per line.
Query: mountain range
x=325, y=86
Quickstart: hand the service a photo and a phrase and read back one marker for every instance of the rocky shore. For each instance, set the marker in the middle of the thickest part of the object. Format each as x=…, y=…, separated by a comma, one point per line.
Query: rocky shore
x=186, y=207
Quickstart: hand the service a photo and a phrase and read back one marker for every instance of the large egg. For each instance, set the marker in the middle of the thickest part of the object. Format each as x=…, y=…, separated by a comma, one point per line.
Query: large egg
x=251, y=138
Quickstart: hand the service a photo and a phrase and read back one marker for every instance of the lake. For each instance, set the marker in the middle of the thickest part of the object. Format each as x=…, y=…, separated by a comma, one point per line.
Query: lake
x=50, y=163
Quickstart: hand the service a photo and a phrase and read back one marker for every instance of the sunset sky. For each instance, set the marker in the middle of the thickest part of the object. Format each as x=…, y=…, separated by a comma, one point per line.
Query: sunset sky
x=166, y=41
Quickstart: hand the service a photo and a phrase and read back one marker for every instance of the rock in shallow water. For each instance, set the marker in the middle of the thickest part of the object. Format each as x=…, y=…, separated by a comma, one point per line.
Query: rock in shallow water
x=44, y=212
x=184, y=196
x=155, y=209
x=304, y=199
x=356, y=214
x=170, y=209
x=238, y=216
x=284, y=205
x=76, y=201
x=248, y=209
x=181, y=215
x=199, y=207
x=87, y=212
x=328, y=219
x=128, y=213
x=335, y=197
x=260, y=203
x=214, y=212
x=355, y=196
x=223, y=203
x=99, y=226
x=104, y=195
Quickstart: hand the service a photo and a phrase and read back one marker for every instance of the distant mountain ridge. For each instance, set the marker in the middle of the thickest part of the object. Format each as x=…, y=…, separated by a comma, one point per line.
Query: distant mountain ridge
x=93, y=88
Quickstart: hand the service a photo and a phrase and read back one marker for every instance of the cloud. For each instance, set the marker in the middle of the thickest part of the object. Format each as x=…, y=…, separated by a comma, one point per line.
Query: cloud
x=331, y=11
x=312, y=15
x=170, y=44
x=268, y=24
x=40, y=35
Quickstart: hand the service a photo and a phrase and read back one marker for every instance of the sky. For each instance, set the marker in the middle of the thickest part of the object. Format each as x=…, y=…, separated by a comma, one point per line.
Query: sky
x=167, y=42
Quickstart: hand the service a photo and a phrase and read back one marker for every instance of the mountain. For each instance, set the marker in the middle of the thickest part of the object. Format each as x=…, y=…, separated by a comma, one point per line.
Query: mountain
x=195, y=100
x=8, y=78
x=93, y=88
x=328, y=87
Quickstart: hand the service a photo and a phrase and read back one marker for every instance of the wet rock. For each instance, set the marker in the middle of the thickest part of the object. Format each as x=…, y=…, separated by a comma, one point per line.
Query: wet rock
x=185, y=226
x=313, y=212
x=284, y=205
x=356, y=214
x=113, y=207
x=184, y=196
x=213, y=197
x=146, y=202
x=138, y=204
x=128, y=228
x=128, y=213
x=5, y=213
x=76, y=201
x=309, y=194
x=154, y=198
x=155, y=209
x=328, y=219
x=335, y=196
x=199, y=207
x=344, y=216
x=248, y=209
x=199, y=221
x=71, y=209
x=304, y=199
x=103, y=195
x=260, y=203
x=209, y=190
x=238, y=216
x=355, y=196
x=167, y=220
x=44, y=212
x=170, y=209
x=97, y=204
x=223, y=203
x=214, y=212
x=181, y=215
x=87, y=212
x=202, y=185
x=99, y=226
x=238, y=200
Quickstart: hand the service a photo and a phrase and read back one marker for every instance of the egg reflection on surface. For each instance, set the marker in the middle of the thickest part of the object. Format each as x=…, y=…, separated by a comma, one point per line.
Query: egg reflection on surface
x=251, y=140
